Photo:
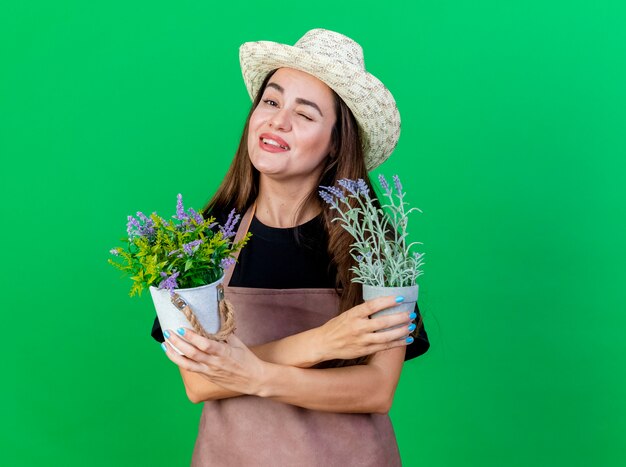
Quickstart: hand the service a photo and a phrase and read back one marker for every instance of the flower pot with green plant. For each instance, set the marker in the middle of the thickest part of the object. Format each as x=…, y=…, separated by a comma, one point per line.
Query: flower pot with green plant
x=385, y=262
x=182, y=262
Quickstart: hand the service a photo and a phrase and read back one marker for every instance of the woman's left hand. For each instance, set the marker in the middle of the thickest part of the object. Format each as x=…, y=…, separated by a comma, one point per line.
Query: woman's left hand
x=229, y=364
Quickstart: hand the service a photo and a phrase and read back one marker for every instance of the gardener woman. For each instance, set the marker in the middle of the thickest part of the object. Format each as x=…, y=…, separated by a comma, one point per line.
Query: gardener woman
x=306, y=379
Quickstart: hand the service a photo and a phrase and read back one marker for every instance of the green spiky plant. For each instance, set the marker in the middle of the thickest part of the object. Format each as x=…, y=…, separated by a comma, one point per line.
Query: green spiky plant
x=186, y=251
x=382, y=254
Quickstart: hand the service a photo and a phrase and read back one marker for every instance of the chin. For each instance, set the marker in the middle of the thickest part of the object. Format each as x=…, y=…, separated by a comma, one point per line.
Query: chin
x=265, y=166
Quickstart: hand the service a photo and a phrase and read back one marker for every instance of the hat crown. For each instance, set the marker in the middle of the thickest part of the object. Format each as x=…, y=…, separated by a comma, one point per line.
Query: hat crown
x=332, y=45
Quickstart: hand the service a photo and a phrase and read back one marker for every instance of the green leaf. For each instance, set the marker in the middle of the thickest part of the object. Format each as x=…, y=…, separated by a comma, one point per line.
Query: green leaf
x=197, y=281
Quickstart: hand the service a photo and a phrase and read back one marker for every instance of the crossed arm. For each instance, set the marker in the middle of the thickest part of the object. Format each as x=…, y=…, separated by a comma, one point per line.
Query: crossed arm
x=280, y=370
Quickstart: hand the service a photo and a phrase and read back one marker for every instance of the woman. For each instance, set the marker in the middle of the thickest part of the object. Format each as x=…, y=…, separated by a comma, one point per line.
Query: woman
x=306, y=379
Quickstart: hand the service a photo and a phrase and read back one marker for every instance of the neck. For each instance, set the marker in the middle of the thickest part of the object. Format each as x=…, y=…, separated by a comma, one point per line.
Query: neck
x=278, y=202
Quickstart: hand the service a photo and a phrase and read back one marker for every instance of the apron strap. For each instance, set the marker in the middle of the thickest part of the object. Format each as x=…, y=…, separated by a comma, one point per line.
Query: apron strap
x=242, y=230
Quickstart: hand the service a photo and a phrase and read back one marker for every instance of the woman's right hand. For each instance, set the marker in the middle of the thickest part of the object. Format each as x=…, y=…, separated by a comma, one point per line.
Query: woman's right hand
x=353, y=333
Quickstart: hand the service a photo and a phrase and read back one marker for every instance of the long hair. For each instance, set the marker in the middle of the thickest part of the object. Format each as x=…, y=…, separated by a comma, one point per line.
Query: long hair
x=240, y=188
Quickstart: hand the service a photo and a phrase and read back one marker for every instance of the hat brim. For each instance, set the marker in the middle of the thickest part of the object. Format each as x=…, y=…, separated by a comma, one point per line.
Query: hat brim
x=367, y=97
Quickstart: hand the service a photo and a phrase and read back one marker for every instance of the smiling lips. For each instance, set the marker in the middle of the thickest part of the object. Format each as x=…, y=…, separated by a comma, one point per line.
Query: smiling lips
x=272, y=143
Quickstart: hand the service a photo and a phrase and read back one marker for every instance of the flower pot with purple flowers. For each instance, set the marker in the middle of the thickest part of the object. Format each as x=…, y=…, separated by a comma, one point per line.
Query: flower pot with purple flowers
x=385, y=263
x=182, y=262
x=200, y=308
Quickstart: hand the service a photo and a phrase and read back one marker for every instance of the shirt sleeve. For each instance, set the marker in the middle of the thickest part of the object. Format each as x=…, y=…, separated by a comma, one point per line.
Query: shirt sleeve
x=157, y=332
x=421, y=344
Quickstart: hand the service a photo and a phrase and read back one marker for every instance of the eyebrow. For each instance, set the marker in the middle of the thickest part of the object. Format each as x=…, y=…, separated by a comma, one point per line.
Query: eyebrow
x=299, y=100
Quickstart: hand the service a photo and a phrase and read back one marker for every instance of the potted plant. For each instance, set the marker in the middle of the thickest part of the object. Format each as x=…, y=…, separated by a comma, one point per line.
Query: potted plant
x=182, y=262
x=385, y=262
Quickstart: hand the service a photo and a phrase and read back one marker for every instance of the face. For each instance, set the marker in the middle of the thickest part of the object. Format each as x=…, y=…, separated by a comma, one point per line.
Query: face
x=289, y=135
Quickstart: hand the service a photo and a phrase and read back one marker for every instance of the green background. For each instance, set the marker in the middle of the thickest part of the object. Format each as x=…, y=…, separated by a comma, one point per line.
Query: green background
x=513, y=145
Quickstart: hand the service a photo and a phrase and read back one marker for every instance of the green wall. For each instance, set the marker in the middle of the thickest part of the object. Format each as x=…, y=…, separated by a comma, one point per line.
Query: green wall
x=513, y=145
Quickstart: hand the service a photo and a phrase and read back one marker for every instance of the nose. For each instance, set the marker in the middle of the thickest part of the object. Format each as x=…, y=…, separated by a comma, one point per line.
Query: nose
x=280, y=120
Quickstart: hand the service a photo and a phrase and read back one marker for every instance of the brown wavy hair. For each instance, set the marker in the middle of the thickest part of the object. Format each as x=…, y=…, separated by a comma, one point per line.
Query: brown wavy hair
x=240, y=188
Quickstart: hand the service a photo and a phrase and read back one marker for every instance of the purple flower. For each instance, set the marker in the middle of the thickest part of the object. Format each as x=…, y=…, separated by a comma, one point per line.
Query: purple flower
x=358, y=187
x=114, y=252
x=362, y=187
x=132, y=226
x=228, y=230
x=384, y=184
x=173, y=252
x=169, y=283
x=191, y=247
x=328, y=198
x=142, y=228
x=332, y=195
x=333, y=190
x=227, y=262
x=147, y=229
x=396, y=181
x=195, y=216
x=349, y=185
x=181, y=215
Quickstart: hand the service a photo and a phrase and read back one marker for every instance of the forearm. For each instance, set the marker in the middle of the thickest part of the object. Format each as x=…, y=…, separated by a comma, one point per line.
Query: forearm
x=347, y=389
x=349, y=335
x=297, y=350
x=361, y=388
x=199, y=388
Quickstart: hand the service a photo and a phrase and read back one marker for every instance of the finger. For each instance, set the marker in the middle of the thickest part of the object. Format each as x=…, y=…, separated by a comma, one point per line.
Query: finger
x=194, y=346
x=180, y=360
x=386, y=346
x=206, y=345
x=388, y=321
x=380, y=303
x=402, y=342
x=391, y=335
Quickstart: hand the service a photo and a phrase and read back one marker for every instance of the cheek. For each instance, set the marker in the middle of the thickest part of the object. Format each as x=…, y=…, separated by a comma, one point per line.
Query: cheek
x=252, y=126
x=254, y=118
x=320, y=142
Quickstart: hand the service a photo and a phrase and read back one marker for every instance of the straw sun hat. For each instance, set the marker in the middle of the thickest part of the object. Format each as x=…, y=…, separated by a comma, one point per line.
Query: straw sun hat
x=338, y=61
